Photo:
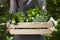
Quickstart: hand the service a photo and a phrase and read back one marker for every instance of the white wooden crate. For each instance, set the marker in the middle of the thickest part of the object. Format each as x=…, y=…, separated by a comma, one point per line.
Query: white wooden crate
x=30, y=28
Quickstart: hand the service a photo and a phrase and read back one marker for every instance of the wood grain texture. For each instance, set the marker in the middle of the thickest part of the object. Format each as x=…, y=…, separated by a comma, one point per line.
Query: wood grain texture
x=30, y=31
x=32, y=25
x=16, y=29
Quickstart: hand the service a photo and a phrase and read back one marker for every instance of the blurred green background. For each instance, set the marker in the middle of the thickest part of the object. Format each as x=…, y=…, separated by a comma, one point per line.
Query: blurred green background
x=53, y=10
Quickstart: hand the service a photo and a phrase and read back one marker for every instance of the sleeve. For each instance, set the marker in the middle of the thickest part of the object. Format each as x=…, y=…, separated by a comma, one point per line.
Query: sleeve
x=13, y=6
x=42, y=5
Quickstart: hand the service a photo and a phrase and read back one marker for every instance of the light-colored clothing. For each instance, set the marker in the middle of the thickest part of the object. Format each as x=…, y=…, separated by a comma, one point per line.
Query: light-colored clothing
x=19, y=5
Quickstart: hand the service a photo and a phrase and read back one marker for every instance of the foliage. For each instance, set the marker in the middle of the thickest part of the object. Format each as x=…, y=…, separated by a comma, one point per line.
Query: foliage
x=55, y=34
x=53, y=9
x=3, y=33
x=33, y=15
x=36, y=15
x=3, y=7
x=18, y=17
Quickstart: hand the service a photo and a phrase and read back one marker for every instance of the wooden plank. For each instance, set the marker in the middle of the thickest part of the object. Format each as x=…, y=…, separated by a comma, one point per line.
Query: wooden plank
x=32, y=25
x=30, y=31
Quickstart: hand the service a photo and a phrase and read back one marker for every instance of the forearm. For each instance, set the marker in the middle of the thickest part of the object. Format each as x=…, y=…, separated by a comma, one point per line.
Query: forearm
x=12, y=6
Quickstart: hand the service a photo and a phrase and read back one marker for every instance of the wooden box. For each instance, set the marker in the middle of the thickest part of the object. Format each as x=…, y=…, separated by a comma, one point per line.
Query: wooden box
x=31, y=28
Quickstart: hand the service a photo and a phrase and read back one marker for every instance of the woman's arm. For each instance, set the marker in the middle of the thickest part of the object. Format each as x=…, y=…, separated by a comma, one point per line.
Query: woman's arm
x=13, y=6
